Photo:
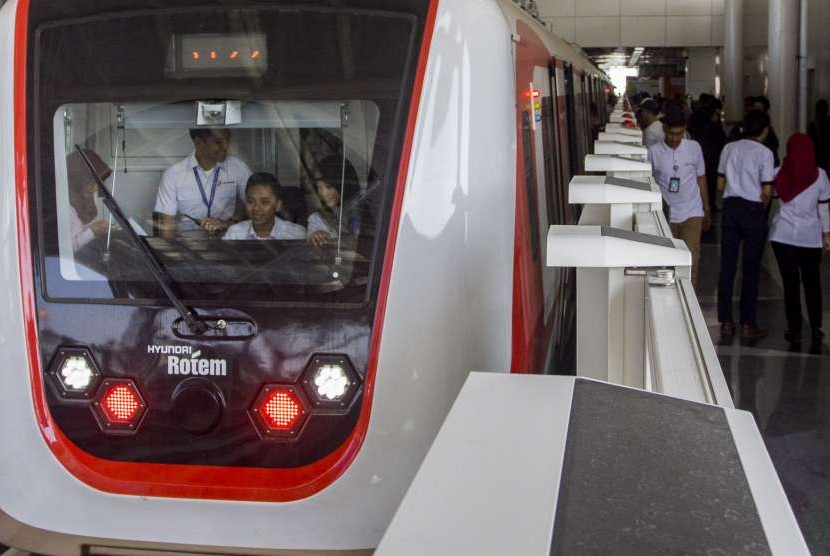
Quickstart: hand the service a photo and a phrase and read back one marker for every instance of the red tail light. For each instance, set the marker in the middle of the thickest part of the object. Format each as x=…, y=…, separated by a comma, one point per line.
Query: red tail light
x=279, y=412
x=119, y=406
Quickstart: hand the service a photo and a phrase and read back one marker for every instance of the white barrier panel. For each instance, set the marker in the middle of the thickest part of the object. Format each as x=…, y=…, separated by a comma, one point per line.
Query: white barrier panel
x=610, y=271
x=620, y=138
x=617, y=166
x=615, y=199
x=623, y=130
x=630, y=150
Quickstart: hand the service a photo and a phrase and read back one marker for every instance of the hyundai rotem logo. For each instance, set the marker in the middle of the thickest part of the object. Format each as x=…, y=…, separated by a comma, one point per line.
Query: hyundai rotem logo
x=182, y=360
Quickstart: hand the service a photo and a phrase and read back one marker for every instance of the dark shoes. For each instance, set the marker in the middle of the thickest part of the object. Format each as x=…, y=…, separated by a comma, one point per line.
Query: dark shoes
x=792, y=337
x=748, y=331
x=795, y=337
x=752, y=332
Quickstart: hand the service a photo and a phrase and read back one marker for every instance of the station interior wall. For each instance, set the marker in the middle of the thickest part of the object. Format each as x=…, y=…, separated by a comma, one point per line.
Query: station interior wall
x=697, y=26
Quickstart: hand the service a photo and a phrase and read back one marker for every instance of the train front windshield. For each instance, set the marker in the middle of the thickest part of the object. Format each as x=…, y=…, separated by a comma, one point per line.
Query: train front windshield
x=171, y=112
x=290, y=90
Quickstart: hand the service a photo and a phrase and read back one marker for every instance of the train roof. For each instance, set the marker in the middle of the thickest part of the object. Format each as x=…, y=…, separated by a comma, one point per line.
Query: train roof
x=558, y=47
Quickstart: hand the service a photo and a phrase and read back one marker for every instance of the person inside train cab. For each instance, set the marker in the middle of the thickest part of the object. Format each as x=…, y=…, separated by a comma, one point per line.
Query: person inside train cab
x=83, y=213
x=203, y=192
x=652, y=128
x=680, y=171
x=262, y=202
x=338, y=207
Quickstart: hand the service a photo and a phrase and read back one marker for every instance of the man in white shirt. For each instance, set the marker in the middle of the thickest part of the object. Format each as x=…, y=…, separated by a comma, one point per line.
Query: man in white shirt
x=262, y=202
x=745, y=175
x=680, y=172
x=205, y=191
x=652, y=127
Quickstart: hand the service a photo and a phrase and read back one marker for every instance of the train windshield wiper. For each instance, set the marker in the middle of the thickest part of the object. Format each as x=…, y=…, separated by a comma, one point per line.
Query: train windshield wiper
x=162, y=276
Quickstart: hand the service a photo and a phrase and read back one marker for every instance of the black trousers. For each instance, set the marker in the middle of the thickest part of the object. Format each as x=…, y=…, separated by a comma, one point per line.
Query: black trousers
x=805, y=261
x=741, y=221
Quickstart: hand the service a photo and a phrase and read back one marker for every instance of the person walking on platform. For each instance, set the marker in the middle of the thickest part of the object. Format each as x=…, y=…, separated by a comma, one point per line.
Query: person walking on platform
x=652, y=128
x=798, y=232
x=680, y=171
x=761, y=104
x=745, y=176
x=819, y=132
x=709, y=133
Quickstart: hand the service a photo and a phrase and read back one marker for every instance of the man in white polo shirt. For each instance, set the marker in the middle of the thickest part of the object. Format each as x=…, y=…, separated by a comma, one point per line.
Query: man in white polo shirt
x=205, y=191
x=745, y=175
x=680, y=171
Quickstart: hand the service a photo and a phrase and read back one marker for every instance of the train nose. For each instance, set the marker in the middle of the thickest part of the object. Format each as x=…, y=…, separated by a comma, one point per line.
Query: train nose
x=197, y=406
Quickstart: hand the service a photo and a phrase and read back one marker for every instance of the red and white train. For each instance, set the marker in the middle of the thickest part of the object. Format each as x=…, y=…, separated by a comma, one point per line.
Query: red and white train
x=296, y=414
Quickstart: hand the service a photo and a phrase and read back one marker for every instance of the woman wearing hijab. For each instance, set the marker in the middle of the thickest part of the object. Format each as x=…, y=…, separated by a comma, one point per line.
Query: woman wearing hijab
x=82, y=189
x=798, y=232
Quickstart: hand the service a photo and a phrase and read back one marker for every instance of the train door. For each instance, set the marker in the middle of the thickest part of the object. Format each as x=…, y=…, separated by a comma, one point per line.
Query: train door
x=580, y=98
x=563, y=129
x=546, y=182
x=577, y=166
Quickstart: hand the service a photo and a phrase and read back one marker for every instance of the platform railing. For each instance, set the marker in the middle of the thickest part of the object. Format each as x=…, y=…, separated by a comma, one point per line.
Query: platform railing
x=639, y=322
x=680, y=358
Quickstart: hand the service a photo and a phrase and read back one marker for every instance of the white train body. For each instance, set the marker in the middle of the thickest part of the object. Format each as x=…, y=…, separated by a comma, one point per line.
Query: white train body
x=455, y=293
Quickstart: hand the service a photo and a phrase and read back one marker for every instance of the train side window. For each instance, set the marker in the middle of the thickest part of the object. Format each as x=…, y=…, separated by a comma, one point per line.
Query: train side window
x=530, y=184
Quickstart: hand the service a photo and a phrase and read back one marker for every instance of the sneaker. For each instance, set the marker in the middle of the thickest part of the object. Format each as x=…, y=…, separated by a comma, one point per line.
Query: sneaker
x=752, y=332
x=727, y=329
x=792, y=337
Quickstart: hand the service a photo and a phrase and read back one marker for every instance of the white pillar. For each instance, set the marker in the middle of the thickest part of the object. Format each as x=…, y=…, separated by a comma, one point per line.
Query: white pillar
x=700, y=70
x=733, y=59
x=783, y=66
x=804, y=114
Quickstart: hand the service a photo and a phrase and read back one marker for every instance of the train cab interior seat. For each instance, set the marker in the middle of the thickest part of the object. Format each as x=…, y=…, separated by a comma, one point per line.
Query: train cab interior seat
x=295, y=207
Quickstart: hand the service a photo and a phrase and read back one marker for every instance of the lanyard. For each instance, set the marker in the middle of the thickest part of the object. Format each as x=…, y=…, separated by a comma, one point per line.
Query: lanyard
x=208, y=202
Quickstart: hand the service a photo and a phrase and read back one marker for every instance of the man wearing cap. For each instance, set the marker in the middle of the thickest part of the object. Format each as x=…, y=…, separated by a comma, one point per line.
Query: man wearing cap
x=680, y=172
x=652, y=128
x=205, y=191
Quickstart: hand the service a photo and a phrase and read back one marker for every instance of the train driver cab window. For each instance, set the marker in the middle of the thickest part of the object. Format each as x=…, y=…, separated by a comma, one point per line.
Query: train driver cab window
x=319, y=124
x=134, y=147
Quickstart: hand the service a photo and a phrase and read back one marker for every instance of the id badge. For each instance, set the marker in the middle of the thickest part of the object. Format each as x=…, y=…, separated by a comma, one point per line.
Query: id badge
x=674, y=185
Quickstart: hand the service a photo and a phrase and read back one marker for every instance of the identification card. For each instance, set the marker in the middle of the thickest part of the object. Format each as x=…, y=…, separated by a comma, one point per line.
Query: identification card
x=674, y=185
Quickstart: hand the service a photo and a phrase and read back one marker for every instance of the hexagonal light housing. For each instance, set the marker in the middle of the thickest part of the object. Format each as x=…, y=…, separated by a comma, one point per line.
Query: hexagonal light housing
x=119, y=406
x=74, y=373
x=279, y=412
x=330, y=382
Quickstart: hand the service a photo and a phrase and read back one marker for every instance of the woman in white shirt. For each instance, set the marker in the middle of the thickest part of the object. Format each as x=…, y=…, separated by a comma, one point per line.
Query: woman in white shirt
x=799, y=231
x=324, y=224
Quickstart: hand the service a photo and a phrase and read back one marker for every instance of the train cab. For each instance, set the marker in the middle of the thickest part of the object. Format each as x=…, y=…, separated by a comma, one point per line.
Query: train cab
x=161, y=349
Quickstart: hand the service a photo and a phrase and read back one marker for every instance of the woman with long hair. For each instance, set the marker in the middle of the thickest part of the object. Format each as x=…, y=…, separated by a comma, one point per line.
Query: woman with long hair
x=82, y=188
x=799, y=231
x=338, y=189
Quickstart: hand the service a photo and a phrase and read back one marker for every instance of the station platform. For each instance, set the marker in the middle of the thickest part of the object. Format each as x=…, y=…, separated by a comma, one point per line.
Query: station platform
x=786, y=388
